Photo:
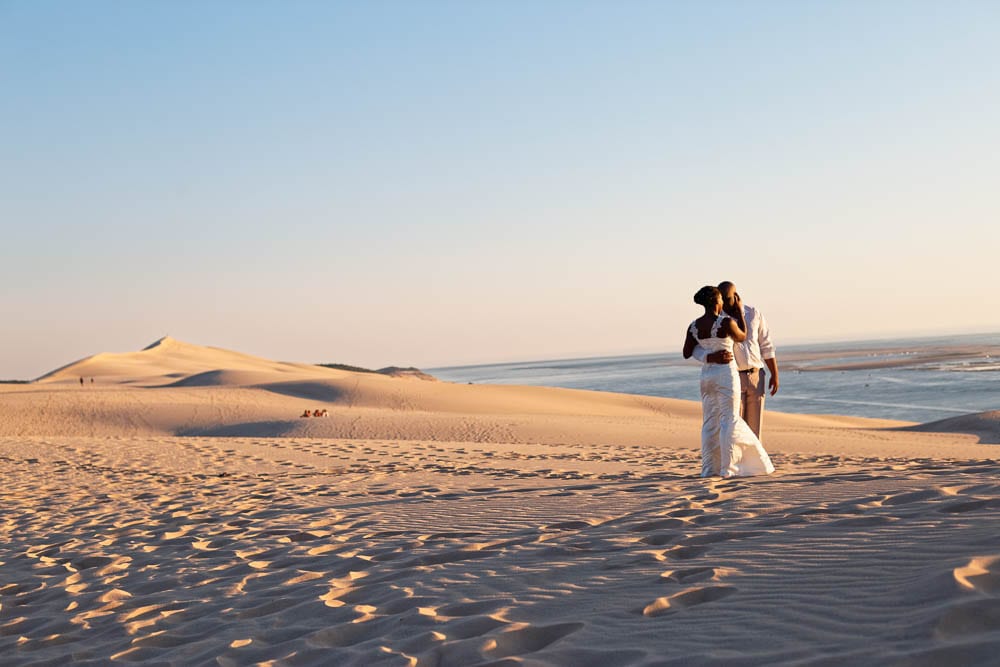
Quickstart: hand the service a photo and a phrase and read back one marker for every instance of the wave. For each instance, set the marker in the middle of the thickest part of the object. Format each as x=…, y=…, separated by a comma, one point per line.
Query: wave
x=905, y=406
x=965, y=368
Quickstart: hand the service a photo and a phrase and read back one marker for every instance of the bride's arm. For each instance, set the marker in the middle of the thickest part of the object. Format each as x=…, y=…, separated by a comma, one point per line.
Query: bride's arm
x=691, y=347
x=736, y=324
x=737, y=327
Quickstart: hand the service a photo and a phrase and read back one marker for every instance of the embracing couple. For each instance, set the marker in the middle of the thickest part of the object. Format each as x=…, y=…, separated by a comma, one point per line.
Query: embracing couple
x=733, y=343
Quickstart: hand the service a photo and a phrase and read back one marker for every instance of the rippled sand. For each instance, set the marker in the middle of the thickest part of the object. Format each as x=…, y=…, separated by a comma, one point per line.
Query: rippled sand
x=192, y=518
x=242, y=551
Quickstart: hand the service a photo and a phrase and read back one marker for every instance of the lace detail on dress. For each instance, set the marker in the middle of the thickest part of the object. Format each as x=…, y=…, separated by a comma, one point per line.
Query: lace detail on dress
x=712, y=333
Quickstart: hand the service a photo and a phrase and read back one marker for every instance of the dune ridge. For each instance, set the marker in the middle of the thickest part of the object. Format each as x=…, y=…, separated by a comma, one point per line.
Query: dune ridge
x=169, y=360
x=983, y=425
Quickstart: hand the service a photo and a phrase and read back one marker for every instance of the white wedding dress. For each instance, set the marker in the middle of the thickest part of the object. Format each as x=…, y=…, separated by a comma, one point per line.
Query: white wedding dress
x=728, y=447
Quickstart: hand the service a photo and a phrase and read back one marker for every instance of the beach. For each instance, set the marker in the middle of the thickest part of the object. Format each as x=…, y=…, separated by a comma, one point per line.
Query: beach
x=922, y=379
x=430, y=270
x=179, y=511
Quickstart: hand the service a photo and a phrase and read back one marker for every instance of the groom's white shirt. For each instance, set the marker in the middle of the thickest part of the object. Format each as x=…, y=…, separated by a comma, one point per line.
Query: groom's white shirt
x=752, y=352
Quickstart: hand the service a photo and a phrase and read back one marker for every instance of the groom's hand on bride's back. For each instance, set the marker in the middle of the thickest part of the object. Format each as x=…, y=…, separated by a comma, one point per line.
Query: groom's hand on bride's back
x=719, y=357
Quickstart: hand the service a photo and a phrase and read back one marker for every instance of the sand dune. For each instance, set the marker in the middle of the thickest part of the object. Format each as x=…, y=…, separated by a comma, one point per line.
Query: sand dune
x=169, y=360
x=434, y=524
x=984, y=425
x=173, y=388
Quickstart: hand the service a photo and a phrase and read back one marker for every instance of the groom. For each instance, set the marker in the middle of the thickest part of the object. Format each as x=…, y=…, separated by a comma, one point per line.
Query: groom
x=751, y=357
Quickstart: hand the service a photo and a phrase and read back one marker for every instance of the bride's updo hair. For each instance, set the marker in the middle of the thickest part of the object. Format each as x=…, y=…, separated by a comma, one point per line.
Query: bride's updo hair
x=706, y=295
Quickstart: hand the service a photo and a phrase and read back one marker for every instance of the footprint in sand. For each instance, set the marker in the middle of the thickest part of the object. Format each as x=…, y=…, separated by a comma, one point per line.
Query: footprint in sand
x=862, y=521
x=980, y=574
x=969, y=618
x=659, y=524
x=694, y=574
x=912, y=497
x=345, y=634
x=659, y=539
x=528, y=639
x=684, y=553
x=89, y=562
x=962, y=506
x=785, y=520
x=705, y=519
x=471, y=608
x=978, y=615
x=568, y=525
x=471, y=626
x=691, y=597
x=722, y=536
x=404, y=604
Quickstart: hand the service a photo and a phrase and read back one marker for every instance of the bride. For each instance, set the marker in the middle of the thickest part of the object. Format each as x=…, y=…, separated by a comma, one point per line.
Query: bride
x=728, y=447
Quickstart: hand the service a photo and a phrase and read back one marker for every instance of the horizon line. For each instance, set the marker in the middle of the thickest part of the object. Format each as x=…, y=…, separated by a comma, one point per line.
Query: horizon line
x=793, y=344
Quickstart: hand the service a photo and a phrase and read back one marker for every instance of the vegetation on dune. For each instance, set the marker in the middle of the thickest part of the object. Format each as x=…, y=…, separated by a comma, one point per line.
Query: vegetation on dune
x=394, y=371
x=347, y=367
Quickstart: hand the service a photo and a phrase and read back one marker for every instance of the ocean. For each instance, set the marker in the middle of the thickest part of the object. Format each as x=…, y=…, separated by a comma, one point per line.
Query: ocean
x=913, y=379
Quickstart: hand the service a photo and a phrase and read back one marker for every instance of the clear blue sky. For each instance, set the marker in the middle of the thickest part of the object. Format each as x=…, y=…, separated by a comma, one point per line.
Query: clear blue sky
x=435, y=183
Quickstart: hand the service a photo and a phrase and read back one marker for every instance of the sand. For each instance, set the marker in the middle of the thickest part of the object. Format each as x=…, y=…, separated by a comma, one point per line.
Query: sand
x=973, y=356
x=178, y=511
